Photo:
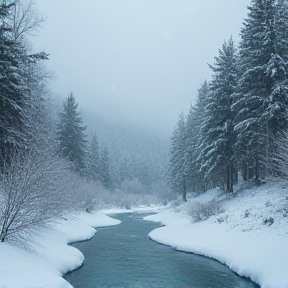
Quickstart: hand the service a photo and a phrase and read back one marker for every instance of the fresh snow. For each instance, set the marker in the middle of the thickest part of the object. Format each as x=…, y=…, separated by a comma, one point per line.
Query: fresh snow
x=242, y=236
x=52, y=257
x=140, y=209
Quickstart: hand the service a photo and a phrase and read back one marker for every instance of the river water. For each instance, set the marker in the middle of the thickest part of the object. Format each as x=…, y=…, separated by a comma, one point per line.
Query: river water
x=123, y=257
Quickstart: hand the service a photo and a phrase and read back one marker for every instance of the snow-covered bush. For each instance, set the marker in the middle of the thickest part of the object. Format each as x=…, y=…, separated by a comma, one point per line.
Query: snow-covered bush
x=132, y=186
x=176, y=202
x=36, y=186
x=87, y=195
x=200, y=211
x=122, y=199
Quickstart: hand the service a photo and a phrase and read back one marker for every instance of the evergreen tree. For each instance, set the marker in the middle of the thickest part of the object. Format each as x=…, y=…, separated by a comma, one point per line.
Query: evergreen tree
x=22, y=83
x=177, y=173
x=13, y=89
x=70, y=134
x=195, y=179
x=261, y=101
x=217, y=135
x=93, y=163
x=105, y=168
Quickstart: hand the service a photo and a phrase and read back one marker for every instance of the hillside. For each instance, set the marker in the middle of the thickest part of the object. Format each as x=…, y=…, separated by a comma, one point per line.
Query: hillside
x=249, y=234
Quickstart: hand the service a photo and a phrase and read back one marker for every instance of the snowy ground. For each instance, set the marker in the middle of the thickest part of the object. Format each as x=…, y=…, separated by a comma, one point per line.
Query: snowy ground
x=53, y=258
x=250, y=235
x=141, y=209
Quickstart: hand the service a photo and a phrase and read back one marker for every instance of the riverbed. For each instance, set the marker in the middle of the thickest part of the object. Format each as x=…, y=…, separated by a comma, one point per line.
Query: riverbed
x=124, y=257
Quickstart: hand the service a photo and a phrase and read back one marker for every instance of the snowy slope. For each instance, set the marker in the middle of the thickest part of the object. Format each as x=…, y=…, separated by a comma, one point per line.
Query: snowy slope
x=53, y=257
x=250, y=236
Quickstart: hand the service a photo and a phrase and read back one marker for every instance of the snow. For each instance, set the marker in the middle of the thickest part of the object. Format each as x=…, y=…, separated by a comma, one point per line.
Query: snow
x=241, y=237
x=249, y=235
x=140, y=209
x=52, y=257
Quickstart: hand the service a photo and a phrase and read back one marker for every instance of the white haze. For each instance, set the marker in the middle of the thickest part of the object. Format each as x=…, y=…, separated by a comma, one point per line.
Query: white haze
x=135, y=60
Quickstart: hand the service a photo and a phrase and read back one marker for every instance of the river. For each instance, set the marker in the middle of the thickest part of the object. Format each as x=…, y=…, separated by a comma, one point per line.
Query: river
x=123, y=257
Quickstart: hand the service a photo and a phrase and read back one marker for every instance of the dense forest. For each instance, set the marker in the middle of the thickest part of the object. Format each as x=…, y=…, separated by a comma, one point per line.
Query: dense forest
x=239, y=116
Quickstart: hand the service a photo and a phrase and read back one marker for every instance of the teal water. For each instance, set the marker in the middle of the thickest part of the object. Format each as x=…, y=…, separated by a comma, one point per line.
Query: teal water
x=123, y=257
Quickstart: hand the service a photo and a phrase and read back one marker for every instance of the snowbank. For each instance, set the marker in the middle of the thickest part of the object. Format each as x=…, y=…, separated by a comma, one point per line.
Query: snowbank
x=243, y=236
x=140, y=209
x=53, y=257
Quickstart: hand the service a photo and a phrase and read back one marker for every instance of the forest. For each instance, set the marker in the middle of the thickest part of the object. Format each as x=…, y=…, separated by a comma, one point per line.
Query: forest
x=51, y=162
x=238, y=125
x=54, y=160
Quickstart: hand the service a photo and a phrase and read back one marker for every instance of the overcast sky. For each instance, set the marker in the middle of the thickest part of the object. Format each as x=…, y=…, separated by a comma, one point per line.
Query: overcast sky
x=138, y=60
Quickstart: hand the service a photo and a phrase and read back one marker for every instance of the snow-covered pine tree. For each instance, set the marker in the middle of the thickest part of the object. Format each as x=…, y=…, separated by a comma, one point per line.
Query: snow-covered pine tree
x=70, y=134
x=177, y=177
x=261, y=100
x=105, y=165
x=22, y=78
x=13, y=89
x=195, y=179
x=217, y=135
x=93, y=163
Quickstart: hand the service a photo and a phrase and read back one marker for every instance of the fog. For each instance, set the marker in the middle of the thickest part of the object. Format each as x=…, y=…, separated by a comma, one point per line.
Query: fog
x=135, y=60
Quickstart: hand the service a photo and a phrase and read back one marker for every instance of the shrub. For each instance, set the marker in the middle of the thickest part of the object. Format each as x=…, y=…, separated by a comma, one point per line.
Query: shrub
x=200, y=211
x=36, y=188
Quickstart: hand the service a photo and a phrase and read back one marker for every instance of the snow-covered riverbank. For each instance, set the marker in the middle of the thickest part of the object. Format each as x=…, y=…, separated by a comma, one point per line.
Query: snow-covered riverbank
x=53, y=257
x=250, y=236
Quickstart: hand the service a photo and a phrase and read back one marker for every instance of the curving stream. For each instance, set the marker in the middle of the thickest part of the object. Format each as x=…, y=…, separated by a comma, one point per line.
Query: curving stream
x=123, y=257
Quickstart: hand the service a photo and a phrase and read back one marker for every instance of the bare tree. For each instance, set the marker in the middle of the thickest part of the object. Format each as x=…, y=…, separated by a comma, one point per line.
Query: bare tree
x=35, y=188
x=26, y=19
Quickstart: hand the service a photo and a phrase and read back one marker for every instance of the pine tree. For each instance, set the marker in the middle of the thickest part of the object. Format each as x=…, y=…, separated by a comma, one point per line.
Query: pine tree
x=21, y=82
x=195, y=179
x=105, y=168
x=261, y=101
x=93, y=163
x=13, y=89
x=177, y=176
x=70, y=134
x=217, y=135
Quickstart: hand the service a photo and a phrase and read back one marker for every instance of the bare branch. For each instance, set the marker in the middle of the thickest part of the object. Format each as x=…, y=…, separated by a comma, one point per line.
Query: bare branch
x=26, y=19
x=36, y=188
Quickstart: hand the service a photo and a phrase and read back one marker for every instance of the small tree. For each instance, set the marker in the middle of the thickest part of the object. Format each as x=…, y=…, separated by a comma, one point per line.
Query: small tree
x=34, y=189
x=70, y=134
x=105, y=172
x=93, y=163
x=177, y=176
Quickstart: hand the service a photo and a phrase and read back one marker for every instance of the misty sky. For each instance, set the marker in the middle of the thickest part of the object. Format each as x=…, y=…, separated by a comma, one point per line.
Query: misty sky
x=136, y=60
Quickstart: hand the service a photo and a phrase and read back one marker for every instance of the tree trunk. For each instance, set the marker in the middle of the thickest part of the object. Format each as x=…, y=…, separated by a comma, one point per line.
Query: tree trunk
x=228, y=178
x=230, y=173
x=251, y=170
x=257, y=170
x=184, y=191
x=244, y=170
x=231, y=167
